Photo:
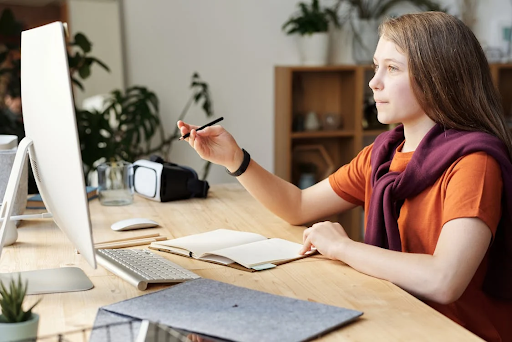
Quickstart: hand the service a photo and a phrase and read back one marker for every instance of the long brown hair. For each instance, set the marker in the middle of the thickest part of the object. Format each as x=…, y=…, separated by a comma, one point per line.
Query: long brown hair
x=449, y=72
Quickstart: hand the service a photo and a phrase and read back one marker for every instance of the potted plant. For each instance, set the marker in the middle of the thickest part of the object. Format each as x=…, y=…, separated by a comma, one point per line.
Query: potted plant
x=311, y=23
x=16, y=323
x=126, y=127
x=118, y=132
x=366, y=16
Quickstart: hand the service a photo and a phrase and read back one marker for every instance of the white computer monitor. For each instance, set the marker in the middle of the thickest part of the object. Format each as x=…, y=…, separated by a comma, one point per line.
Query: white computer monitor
x=52, y=144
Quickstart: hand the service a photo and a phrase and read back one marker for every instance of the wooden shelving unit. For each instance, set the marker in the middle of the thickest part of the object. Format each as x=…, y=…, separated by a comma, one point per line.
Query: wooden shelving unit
x=341, y=90
x=502, y=76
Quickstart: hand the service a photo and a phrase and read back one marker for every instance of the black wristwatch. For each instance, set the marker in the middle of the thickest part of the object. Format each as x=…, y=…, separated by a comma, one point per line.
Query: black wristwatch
x=243, y=166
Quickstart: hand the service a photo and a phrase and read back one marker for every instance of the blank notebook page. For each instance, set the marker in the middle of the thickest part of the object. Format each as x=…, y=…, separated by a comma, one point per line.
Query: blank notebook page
x=211, y=241
x=262, y=252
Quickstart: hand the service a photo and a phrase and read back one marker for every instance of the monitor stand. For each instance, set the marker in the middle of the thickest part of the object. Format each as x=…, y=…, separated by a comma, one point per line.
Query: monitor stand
x=51, y=280
x=64, y=279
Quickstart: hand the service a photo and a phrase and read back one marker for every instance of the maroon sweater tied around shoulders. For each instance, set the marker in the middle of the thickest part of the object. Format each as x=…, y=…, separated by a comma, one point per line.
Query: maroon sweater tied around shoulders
x=438, y=150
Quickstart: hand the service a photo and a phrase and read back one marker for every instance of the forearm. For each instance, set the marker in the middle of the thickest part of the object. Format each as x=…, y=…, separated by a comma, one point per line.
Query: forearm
x=284, y=199
x=419, y=274
x=280, y=197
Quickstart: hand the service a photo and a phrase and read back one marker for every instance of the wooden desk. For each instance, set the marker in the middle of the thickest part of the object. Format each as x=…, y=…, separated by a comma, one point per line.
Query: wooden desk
x=390, y=314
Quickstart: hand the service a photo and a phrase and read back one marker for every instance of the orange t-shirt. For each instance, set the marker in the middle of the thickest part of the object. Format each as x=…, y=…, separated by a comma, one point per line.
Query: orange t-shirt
x=470, y=187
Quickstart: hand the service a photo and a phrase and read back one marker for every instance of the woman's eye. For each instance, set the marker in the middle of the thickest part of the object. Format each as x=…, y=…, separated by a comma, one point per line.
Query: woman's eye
x=375, y=68
x=392, y=68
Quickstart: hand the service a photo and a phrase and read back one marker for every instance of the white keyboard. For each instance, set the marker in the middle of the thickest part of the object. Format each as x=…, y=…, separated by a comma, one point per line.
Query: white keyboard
x=141, y=267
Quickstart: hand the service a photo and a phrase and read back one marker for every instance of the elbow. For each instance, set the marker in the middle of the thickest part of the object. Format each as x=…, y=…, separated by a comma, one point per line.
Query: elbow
x=445, y=290
x=294, y=221
x=445, y=296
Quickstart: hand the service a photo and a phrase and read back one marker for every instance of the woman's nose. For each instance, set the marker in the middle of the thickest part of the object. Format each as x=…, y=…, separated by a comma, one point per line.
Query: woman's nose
x=375, y=83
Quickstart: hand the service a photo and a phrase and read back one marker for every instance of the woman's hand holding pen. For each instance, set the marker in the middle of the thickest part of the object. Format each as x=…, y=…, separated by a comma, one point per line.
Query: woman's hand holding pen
x=214, y=144
x=327, y=237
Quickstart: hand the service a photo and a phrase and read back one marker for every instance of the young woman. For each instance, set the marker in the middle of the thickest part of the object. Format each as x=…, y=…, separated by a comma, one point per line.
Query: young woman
x=437, y=190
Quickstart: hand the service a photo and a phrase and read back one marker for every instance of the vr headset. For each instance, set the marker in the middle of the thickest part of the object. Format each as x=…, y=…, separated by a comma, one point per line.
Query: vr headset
x=162, y=181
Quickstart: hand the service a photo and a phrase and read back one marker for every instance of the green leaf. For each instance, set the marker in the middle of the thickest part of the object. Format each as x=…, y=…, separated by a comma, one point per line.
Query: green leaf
x=84, y=71
x=315, y=6
x=82, y=41
x=74, y=61
x=207, y=108
x=30, y=310
x=100, y=63
x=311, y=19
x=77, y=83
x=154, y=101
x=304, y=9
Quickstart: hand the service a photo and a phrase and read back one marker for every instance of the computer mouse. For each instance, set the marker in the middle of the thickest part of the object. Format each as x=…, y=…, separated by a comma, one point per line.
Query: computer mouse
x=133, y=223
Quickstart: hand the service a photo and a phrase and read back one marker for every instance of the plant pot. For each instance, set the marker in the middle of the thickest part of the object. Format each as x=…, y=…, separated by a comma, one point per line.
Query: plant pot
x=340, y=45
x=365, y=39
x=25, y=331
x=314, y=48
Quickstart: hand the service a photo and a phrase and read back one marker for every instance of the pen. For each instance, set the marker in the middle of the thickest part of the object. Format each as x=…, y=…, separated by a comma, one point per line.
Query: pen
x=203, y=127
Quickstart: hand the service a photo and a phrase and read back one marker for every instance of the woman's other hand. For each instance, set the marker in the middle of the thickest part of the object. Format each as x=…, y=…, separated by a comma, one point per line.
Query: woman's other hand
x=327, y=237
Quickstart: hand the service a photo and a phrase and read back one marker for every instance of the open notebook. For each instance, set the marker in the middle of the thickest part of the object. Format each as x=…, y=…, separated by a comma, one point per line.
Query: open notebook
x=242, y=250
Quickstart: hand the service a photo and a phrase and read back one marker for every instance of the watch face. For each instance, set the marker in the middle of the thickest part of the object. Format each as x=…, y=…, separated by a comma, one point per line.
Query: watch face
x=145, y=181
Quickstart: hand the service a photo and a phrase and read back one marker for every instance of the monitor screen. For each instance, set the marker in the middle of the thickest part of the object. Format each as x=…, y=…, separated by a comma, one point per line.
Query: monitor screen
x=53, y=146
x=50, y=122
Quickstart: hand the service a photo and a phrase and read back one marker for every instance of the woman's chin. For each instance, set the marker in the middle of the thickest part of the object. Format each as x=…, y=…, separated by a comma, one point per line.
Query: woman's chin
x=388, y=119
x=384, y=120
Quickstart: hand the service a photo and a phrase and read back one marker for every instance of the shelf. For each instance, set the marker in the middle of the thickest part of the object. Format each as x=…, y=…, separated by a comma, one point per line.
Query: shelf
x=312, y=154
x=322, y=134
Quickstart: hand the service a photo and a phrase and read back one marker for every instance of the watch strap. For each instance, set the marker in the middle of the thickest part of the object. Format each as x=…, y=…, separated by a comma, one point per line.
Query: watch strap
x=243, y=166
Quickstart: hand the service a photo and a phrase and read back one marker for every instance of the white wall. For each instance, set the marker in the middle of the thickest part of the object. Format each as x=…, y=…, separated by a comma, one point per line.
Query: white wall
x=492, y=15
x=234, y=45
x=100, y=22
